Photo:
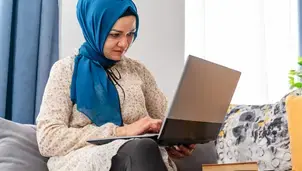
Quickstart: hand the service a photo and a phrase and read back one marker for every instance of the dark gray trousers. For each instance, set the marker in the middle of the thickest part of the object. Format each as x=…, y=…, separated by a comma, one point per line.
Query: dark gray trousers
x=138, y=155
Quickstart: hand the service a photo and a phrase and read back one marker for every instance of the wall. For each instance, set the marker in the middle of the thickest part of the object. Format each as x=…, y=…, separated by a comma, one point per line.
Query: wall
x=160, y=44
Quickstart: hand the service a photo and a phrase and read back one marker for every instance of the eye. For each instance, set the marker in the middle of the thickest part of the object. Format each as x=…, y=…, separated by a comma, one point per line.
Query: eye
x=114, y=35
x=131, y=34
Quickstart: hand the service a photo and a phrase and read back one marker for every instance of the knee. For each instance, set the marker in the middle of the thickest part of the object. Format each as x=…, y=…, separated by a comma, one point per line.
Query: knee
x=146, y=145
x=142, y=154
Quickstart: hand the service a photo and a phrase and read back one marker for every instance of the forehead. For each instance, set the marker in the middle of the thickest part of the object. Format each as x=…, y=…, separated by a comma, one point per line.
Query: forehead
x=128, y=22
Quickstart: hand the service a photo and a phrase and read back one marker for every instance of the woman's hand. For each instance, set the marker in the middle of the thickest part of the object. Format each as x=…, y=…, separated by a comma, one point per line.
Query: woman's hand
x=144, y=125
x=181, y=151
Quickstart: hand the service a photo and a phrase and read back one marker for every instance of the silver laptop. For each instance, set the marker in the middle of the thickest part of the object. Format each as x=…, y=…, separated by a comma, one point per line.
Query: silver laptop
x=200, y=104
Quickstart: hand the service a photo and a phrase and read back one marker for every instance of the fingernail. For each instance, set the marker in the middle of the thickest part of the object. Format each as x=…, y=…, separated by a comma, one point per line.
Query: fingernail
x=176, y=147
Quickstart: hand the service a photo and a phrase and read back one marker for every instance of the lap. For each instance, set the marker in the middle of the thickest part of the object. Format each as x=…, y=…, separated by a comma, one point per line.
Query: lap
x=89, y=158
x=139, y=145
x=92, y=157
x=142, y=154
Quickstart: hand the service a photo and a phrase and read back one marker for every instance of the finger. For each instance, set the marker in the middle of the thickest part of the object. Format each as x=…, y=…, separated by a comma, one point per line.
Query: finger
x=192, y=146
x=154, y=128
x=172, y=154
x=156, y=121
x=154, y=124
x=145, y=127
x=175, y=153
x=149, y=126
x=176, y=147
x=184, y=150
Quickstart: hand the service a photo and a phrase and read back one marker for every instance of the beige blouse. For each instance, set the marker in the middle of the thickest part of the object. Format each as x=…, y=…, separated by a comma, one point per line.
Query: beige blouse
x=63, y=131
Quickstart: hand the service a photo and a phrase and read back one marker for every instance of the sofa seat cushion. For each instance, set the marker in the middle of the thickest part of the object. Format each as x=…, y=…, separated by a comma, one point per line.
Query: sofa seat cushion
x=256, y=133
x=18, y=148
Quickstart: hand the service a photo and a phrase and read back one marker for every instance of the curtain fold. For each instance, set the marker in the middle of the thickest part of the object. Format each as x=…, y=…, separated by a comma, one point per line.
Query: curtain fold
x=28, y=48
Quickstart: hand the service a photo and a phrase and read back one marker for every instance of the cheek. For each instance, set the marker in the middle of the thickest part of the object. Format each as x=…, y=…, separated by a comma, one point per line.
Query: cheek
x=129, y=40
x=108, y=46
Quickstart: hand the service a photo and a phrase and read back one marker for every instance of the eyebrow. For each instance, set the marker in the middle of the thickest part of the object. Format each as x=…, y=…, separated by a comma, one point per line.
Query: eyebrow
x=122, y=31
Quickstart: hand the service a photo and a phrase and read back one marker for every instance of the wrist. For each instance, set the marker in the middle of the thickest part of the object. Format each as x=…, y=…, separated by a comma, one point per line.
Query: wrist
x=121, y=131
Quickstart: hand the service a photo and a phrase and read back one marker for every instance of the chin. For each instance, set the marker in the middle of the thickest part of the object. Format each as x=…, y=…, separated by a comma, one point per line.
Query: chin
x=116, y=58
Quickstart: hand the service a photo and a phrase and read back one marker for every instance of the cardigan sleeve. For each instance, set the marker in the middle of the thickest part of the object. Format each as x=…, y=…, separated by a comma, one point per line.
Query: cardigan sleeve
x=54, y=135
x=155, y=100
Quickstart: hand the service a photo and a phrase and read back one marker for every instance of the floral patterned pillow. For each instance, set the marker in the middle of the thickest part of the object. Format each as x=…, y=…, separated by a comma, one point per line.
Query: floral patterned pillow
x=256, y=133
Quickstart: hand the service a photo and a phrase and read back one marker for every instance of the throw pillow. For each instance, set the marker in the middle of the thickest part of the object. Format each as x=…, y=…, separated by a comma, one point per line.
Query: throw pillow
x=256, y=133
x=18, y=148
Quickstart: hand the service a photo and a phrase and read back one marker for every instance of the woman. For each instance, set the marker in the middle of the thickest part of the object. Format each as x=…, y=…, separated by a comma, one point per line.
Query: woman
x=101, y=93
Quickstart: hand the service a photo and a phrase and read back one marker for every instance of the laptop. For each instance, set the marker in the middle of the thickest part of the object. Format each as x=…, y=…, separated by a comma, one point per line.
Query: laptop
x=198, y=109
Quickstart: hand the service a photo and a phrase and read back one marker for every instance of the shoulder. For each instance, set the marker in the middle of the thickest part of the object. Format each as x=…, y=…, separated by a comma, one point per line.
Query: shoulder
x=63, y=66
x=139, y=68
x=134, y=64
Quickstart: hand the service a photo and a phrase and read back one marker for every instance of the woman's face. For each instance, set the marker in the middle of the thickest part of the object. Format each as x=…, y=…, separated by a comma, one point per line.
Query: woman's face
x=120, y=38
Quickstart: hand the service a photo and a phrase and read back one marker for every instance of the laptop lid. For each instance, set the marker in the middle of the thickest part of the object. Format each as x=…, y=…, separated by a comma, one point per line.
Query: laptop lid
x=203, y=96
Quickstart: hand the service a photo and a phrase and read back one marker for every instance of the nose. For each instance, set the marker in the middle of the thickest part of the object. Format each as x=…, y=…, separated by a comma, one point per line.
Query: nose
x=123, y=43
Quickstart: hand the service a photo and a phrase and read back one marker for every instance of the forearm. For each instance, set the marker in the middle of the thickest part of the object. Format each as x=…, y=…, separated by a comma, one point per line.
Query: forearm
x=58, y=139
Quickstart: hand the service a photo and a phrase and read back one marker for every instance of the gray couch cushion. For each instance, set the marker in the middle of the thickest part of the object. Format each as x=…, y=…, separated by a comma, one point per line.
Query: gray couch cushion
x=18, y=148
x=203, y=154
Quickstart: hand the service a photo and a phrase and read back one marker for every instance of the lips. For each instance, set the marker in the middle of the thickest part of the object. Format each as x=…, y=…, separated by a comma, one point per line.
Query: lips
x=119, y=51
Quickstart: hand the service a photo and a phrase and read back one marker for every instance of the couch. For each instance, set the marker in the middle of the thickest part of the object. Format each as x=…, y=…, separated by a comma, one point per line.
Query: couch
x=249, y=133
x=19, y=150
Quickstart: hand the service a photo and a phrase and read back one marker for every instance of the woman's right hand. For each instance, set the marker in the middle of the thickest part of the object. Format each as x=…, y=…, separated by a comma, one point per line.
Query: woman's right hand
x=143, y=125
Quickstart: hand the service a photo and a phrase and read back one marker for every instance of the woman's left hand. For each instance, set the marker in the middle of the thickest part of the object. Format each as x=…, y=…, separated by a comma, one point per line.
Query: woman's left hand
x=181, y=151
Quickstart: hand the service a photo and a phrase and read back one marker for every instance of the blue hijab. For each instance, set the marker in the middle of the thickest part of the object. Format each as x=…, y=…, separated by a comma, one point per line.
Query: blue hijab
x=91, y=89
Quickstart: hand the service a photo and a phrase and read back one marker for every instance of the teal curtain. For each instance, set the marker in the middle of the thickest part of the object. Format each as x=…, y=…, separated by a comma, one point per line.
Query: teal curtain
x=28, y=48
